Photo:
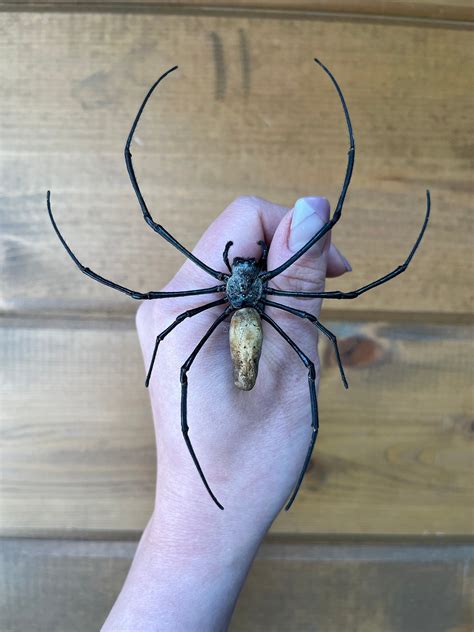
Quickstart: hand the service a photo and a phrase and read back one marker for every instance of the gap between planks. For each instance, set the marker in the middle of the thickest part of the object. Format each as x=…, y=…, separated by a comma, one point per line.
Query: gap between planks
x=373, y=546
x=447, y=14
x=126, y=320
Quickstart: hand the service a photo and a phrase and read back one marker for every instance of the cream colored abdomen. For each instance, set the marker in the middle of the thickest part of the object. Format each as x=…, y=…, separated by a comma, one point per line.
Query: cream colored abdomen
x=245, y=337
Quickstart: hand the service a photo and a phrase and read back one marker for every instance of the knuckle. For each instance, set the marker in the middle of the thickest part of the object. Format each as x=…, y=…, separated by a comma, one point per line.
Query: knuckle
x=301, y=278
x=245, y=199
x=142, y=316
x=246, y=202
x=149, y=318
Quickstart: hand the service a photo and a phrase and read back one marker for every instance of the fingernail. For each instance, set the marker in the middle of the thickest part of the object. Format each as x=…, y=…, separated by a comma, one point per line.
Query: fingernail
x=346, y=263
x=341, y=257
x=309, y=215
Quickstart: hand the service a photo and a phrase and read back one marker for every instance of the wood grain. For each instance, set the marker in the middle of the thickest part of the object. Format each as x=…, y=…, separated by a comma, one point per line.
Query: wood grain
x=394, y=454
x=456, y=10
x=227, y=125
x=248, y=113
x=398, y=587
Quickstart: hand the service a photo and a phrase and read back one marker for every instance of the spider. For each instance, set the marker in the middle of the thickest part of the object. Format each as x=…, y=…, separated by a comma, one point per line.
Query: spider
x=245, y=293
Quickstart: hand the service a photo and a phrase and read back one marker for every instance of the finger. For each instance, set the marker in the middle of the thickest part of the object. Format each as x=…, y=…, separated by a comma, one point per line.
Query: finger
x=245, y=221
x=308, y=273
x=337, y=263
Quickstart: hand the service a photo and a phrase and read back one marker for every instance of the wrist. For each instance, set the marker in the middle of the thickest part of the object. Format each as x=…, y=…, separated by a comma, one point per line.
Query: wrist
x=187, y=573
x=187, y=525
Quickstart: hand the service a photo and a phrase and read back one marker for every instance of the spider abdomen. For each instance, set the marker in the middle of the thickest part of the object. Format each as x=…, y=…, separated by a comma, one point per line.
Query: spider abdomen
x=245, y=338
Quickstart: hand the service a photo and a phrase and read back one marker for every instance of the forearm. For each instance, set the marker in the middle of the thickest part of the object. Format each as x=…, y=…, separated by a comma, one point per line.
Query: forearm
x=187, y=572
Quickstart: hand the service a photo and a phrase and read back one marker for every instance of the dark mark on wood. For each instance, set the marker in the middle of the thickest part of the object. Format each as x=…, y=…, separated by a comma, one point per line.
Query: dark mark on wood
x=219, y=62
x=459, y=424
x=318, y=472
x=94, y=91
x=245, y=62
x=356, y=351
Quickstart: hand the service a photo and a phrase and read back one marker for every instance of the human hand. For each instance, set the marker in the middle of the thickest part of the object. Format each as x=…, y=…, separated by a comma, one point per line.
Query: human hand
x=251, y=445
x=193, y=558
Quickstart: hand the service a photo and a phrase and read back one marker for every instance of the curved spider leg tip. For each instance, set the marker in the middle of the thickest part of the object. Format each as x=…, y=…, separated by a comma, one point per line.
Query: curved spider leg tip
x=214, y=498
x=216, y=502
x=211, y=494
x=163, y=75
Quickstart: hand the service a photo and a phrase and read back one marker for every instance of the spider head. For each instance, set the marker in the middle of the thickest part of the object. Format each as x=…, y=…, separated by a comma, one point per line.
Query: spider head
x=244, y=288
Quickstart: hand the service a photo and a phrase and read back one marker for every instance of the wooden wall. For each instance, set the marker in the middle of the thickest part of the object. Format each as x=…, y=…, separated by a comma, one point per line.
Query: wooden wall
x=380, y=538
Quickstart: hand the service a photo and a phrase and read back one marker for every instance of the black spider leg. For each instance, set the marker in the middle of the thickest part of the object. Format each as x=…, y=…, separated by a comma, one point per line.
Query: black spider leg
x=179, y=319
x=314, y=402
x=263, y=258
x=184, y=398
x=337, y=213
x=138, y=295
x=146, y=213
x=225, y=255
x=355, y=293
x=320, y=326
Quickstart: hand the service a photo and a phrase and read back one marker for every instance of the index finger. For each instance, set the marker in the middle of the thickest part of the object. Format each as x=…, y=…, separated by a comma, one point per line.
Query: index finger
x=245, y=221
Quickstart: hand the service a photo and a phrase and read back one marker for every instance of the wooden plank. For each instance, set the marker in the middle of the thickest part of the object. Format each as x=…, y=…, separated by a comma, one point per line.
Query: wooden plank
x=219, y=129
x=62, y=585
x=394, y=454
x=457, y=10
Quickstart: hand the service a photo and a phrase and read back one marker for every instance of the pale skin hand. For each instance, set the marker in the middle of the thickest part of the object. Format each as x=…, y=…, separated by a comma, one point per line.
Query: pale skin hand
x=193, y=558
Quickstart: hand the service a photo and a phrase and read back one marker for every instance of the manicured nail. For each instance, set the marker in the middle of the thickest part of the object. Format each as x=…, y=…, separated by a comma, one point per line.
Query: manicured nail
x=309, y=215
x=346, y=263
x=341, y=257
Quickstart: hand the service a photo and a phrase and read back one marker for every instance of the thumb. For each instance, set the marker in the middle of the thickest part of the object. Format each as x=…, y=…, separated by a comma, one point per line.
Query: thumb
x=298, y=226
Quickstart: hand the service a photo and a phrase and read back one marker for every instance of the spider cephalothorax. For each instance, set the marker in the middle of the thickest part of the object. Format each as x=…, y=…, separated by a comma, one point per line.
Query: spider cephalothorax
x=246, y=292
x=244, y=287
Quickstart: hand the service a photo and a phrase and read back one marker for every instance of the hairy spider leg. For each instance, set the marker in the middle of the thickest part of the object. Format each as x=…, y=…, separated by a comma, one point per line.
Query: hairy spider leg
x=314, y=402
x=318, y=325
x=179, y=319
x=146, y=213
x=337, y=213
x=184, y=398
x=355, y=293
x=137, y=295
x=225, y=255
